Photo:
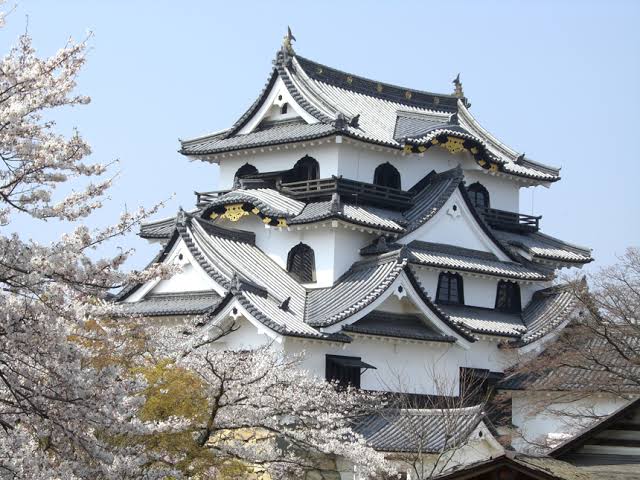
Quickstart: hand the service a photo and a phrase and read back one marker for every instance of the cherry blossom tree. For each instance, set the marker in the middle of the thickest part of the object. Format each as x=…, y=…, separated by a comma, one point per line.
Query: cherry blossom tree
x=256, y=411
x=83, y=394
x=58, y=409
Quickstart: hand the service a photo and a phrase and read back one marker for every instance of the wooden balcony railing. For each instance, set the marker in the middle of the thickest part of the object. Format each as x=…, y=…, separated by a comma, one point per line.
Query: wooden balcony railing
x=203, y=198
x=359, y=192
x=511, y=221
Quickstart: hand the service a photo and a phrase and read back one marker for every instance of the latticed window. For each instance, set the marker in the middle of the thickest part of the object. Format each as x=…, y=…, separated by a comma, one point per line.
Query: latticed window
x=450, y=289
x=301, y=263
x=508, y=297
x=479, y=195
x=386, y=175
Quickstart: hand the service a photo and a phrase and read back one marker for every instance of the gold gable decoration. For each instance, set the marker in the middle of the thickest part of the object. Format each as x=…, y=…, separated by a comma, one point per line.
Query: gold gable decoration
x=235, y=211
x=454, y=144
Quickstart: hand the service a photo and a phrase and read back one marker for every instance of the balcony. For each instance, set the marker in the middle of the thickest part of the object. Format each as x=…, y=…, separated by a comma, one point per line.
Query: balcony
x=204, y=198
x=357, y=192
x=511, y=221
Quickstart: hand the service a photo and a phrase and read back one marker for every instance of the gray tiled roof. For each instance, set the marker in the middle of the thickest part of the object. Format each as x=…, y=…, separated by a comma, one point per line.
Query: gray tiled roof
x=485, y=320
x=545, y=247
x=597, y=371
x=229, y=259
x=164, y=304
x=386, y=114
x=399, y=325
x=462, y=259
x=274, y=135
x=356, y=289
x=409, y=125
x=158, y=229
x=431, y=194
x=275, y=298
x=357, y=214
x=268, y=201
x=547, y=309
x=420, y=430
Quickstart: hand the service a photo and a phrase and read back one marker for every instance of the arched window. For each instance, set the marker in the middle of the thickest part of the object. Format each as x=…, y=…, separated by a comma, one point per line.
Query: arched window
x=301, y=263
x=246, y=169
x=284, y=108
x=508, y=297
x=386, y=175
x=479, y=195
x=450, y=289
x=307, y=168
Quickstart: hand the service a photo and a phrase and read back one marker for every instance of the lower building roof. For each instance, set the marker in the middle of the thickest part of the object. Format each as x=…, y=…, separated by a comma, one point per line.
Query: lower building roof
x=420, y=430
x=517, y=465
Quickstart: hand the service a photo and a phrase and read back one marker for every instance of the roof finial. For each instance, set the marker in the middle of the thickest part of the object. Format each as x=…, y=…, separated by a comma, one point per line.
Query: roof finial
x=458, y=87
x=286, y=42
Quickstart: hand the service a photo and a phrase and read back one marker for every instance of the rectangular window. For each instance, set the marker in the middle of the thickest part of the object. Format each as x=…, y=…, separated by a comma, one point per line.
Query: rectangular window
x=450, y=289
x=508, y=297
x=345, y=370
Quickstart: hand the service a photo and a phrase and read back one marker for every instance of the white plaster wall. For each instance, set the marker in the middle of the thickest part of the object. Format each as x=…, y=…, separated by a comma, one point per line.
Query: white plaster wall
x=478, y=292
x=246, y=337
x=359, y=163
x=455, y=225
x=404, y=366
x=267, y=159
x=504, y=194
x=347, y=247
x=336, y=248
x=533, y=426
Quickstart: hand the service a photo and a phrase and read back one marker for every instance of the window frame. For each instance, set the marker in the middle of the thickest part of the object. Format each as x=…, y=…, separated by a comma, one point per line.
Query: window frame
x=349, y=373
x=306, y=250
x=387, y=169
x=450, y=277
x=512, y=293
x=476, y=189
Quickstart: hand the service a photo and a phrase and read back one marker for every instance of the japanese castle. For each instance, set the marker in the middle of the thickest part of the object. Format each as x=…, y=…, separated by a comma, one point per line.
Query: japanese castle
x=377, y=229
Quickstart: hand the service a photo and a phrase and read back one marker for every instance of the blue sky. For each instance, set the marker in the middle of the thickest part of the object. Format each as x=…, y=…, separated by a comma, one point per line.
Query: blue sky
x=558, y=80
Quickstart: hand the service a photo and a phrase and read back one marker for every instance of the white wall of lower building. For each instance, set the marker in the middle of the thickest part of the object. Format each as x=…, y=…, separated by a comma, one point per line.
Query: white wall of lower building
x=556, y=421
x=411, y=367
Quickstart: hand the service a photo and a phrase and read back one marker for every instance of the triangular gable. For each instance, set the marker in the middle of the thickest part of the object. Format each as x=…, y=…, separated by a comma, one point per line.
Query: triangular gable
x=456, y=223
x=270, y=106
x=191, y=278
x=406, y=285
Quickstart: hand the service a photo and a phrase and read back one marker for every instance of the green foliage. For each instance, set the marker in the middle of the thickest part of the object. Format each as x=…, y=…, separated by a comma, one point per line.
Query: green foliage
x=172, y=392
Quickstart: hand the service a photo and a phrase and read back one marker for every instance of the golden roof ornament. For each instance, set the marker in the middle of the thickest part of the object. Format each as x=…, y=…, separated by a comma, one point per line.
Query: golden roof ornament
x=458, y=92
x=287, y=46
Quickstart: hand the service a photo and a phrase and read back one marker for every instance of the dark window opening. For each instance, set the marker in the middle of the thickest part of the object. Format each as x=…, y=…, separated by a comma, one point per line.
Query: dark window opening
x=386, y=175
x=301, y=263
x=284, y=108
x=479, y=195
x=450, y=289
x=477, y=384
x=307, y=168
x=244, y=170
x=345, y=370
x=508, y=297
